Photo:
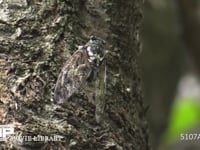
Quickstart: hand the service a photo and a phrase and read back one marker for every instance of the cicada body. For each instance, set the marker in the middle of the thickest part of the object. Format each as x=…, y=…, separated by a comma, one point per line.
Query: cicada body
x=79, y=69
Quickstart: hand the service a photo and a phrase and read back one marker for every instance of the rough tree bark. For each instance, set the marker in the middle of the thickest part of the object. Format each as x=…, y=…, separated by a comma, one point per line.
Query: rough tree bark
x=36, y=39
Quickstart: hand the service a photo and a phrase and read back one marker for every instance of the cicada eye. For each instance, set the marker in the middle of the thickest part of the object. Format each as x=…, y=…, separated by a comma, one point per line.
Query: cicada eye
x=93, y=38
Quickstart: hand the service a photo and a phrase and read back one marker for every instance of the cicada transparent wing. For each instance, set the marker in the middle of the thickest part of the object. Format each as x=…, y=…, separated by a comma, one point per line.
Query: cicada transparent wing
x=72, y=77
x=100, y=91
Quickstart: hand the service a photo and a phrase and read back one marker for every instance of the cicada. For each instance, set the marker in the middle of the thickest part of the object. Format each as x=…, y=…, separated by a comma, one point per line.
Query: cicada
x=80, y=69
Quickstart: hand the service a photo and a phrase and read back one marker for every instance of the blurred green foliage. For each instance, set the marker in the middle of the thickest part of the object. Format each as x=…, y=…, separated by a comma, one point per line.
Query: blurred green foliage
x=185, y=115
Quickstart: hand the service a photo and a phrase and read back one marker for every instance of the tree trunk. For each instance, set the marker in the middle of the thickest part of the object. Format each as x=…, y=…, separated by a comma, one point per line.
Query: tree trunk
x=37, y=37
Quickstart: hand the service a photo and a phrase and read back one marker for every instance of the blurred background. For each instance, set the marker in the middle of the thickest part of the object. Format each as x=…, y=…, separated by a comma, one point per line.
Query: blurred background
x=170, y=67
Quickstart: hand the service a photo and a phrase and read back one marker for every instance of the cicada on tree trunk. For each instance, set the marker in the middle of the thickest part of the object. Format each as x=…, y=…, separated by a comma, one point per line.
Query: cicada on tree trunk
x=82, y=69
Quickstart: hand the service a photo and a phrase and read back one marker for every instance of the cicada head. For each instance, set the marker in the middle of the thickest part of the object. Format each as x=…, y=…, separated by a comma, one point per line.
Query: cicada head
x=95, y=49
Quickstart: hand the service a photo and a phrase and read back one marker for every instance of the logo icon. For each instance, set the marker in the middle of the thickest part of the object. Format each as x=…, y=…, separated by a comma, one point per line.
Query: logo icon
x=5, y=130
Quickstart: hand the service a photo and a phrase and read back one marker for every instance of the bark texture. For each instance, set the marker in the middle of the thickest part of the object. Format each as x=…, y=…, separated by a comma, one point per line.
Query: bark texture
x=36, y=37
